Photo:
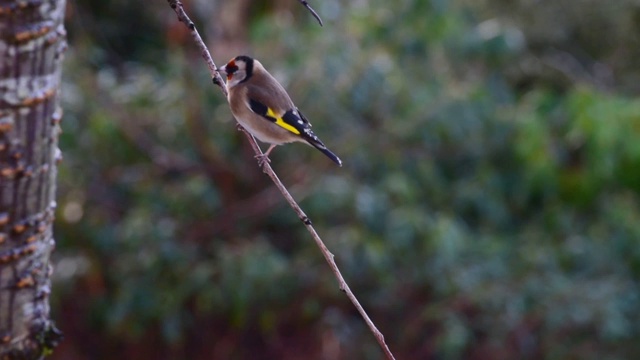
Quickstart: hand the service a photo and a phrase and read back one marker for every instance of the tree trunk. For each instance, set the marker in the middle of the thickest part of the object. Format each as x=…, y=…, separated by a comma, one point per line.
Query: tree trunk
x=32, y=40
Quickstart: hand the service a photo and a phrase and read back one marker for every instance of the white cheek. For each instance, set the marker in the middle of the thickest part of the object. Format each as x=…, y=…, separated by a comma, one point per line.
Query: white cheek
x=233, y=82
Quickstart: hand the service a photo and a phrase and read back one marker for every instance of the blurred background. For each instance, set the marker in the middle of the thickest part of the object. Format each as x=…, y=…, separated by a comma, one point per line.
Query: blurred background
x=488, y=208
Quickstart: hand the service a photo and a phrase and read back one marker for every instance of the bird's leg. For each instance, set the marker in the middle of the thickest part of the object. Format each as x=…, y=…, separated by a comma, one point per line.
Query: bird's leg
x=264, y=158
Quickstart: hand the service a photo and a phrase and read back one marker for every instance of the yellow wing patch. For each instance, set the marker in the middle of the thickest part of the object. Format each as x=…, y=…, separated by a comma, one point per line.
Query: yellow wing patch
x=280, y=122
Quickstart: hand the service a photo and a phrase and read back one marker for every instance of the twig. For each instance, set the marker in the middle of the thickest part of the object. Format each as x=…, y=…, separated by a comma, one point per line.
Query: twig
x=325, y=251
x=313, y=12
x=176, y=5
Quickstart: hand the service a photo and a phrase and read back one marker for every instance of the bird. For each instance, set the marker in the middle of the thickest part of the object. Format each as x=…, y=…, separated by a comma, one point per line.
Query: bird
x=263, y=107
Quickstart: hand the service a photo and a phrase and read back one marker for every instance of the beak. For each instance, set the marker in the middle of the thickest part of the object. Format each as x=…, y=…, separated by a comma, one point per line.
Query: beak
x=223, y=70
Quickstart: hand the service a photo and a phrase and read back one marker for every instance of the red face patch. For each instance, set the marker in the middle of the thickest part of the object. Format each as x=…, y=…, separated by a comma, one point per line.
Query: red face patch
x=231, y=68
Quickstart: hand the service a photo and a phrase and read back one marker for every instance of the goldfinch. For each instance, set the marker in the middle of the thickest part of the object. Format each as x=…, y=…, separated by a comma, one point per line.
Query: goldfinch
x=263, y=107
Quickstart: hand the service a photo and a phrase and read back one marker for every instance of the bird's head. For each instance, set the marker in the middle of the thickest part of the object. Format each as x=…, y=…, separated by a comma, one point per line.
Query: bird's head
x=238, y=70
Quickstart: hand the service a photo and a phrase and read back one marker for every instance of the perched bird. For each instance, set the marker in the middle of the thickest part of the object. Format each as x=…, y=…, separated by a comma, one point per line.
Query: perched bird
x=263, y=107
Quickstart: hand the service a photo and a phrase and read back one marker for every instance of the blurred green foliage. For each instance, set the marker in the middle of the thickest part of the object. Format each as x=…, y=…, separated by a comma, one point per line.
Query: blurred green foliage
x=488, y=207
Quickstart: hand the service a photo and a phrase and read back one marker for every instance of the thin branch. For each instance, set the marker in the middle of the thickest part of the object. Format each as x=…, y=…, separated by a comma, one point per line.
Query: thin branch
x=313, y=12
x=325, y=251
x=176, y=5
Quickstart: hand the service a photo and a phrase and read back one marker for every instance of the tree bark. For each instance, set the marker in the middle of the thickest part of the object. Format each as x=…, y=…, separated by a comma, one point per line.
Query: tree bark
x=32, y=41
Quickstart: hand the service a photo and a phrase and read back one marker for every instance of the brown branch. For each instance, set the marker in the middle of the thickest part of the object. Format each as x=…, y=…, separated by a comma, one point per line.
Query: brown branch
x=313, y=12
x=176, y=5
x=325, y=251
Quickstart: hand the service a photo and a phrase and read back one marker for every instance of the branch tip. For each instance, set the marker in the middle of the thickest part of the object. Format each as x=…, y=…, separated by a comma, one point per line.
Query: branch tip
x=313, y=12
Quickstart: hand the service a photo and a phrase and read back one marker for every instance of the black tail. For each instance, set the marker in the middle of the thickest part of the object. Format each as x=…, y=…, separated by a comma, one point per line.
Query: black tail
x=329, y=154
x=316, y=143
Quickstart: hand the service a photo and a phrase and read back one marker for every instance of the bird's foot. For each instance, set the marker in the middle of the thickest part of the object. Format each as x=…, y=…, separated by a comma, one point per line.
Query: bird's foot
x=263, y=159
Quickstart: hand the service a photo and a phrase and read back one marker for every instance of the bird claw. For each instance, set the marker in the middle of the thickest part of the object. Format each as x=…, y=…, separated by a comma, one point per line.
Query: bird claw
x=263, y=159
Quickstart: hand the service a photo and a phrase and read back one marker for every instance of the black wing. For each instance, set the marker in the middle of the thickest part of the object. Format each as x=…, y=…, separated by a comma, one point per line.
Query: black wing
x=294, y=121
x=290, y=120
